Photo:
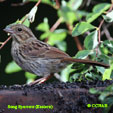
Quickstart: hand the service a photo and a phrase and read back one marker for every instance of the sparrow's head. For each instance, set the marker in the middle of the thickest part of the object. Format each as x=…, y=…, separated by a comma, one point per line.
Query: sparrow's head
x=19, y=32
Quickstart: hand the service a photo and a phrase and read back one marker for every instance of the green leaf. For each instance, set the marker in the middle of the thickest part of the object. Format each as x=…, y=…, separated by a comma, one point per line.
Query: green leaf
x=65, y=73
x=61, y=45
x=108, y=17
x=103, y=58
x=12, y=67
x=74, y=77
x=101, y=7
x=30, y=77
x=91, y=41
x=81, y=28
x=92, y=16
x=100, y=69
x=89, y=75
x=103, y=95
x=103, y=49
x=93, y=91
x=109, y=88
x=74, y=4
x=107, y=73
x=67, y=13
x=97, y=11
x=57, y=36
x=45, y=35
x=83, y=54
x=43, y=26
x=108, y=44
x=26, y=23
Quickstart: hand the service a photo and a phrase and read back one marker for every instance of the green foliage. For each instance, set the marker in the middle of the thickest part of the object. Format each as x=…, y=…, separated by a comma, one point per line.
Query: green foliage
x=55, y=38
x=106, y=97
x=74, y=4
x=66, y=12
x=108, y=17
x=30, y=77
x=65, y=73
x=83, y=54
x=93, y=91
x=91, y=41
x=107, y=73
x=97, y=11
x=81, y=28
x=44, y=26
x=12, y=67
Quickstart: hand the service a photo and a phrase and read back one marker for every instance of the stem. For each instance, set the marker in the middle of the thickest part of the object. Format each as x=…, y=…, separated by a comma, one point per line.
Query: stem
x=5, y=42
x=78, y=44
x=21, y=23
x=27, y=14
x=24, y=18
x=57, y=3
x=57, y=23
x=76, y=39
x=101, y=23
x=38, y=3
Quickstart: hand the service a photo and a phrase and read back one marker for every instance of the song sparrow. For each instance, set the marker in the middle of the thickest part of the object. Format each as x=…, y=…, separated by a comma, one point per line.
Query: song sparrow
x=38, y=57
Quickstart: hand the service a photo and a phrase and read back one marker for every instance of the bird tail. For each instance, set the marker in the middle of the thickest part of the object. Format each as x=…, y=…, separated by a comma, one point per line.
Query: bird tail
x=85, y=62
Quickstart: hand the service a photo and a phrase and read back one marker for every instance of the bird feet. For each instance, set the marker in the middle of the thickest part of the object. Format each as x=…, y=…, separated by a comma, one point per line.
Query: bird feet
x=41, y=80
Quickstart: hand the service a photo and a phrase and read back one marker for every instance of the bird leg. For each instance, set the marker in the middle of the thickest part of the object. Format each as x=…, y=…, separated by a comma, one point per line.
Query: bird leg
x=41, y=80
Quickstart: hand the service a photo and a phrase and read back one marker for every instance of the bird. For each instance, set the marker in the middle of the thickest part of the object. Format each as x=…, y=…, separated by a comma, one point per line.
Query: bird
x=38, y=57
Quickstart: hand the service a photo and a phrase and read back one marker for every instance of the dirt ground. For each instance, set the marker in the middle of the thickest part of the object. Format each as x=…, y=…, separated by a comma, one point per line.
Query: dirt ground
x=60, y=97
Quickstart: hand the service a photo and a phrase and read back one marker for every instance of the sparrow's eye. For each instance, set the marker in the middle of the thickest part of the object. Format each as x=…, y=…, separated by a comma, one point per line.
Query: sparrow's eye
x=19, y=29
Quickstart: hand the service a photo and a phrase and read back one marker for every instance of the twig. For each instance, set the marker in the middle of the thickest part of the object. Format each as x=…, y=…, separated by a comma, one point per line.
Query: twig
x=39, y=1
x=106, y=26
x=88, y=3
x=106, y=32
x=78, y=44
x=101, y=23
x=99, y=30
x=5, y=42
x=110, y=9
x=57, y=23
x=57, y=3
x=26, y=16
x=19, y=4
x=2, y=0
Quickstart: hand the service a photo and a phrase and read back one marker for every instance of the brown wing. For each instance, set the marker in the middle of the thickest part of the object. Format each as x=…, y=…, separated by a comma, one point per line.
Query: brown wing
x=38, y=49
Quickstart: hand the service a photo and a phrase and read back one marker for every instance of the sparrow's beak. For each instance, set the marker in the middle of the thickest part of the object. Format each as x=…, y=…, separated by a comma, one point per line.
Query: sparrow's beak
x=8, y=30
